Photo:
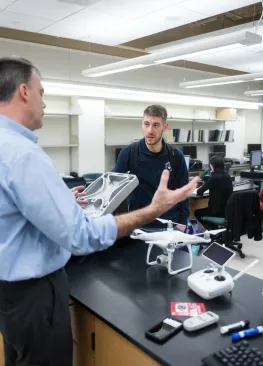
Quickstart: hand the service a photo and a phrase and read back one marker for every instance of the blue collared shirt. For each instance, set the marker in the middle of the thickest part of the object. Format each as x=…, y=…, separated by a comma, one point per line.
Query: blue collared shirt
x=40, y=222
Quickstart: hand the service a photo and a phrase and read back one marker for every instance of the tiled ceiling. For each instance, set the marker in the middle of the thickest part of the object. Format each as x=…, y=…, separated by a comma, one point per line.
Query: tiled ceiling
x=133, y=23
x=108, y=22
x=247, y=59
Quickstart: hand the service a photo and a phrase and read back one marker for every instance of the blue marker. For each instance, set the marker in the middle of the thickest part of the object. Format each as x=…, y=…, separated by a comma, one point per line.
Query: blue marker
x=247, y=333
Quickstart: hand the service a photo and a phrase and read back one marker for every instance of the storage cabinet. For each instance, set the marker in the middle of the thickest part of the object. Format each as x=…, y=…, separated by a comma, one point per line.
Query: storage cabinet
x=2, y=359
x=96, y=344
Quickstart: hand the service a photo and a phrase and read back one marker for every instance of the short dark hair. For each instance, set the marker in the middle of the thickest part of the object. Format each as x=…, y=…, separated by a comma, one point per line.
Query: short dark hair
x=218, y=163
x=156, y=110
x=13, y=72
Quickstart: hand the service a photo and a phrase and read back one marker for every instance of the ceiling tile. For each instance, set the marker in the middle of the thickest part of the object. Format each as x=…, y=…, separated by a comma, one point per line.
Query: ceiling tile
x=169, y=17
x=5, y=3
x=239, y=59
x=132, y=9
x=22, y=22
x=211, y=7
x=48, y=9
x=83, y=24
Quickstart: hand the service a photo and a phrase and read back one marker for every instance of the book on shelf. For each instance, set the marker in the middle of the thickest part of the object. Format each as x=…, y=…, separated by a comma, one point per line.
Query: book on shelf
x=181, y=135
x=169, y=137
x=223, y=136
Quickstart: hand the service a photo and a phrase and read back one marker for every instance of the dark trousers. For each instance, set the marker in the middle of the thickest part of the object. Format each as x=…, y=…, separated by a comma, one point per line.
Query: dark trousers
x=35, y=321
x=204, y=212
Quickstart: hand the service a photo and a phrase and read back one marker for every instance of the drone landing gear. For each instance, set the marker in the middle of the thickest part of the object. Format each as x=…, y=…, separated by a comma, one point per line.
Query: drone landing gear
x=166, y=259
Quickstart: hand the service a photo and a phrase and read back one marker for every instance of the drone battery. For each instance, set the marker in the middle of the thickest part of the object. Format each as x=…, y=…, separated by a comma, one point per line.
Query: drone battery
x=164, y=330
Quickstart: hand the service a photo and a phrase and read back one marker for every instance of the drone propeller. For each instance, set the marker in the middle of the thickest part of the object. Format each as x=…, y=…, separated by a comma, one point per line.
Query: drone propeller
x=212, y=232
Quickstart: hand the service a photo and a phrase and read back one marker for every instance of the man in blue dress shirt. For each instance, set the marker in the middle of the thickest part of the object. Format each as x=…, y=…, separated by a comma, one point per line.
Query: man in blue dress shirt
x=41, y=225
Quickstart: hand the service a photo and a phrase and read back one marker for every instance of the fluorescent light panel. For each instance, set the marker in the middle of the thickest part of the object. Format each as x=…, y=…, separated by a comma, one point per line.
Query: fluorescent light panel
x=223, y=83
x=199, y=53
x=113, y=93
x=188, y=49
x=117, y=70
x=222, y=80
x=253, y=93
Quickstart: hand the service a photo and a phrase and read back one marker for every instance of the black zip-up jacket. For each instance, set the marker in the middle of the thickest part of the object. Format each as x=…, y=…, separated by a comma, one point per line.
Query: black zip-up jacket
x=149, y=169
x=243, y=216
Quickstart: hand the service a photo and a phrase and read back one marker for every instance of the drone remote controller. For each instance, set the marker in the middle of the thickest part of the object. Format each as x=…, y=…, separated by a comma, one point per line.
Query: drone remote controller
x=215, y=281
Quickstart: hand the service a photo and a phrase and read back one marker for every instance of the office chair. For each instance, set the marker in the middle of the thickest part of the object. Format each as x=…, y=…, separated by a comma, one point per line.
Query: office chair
x=205, y=175
x=219, y=223
x=242, y=217
x=261, y=206
x=261, y=200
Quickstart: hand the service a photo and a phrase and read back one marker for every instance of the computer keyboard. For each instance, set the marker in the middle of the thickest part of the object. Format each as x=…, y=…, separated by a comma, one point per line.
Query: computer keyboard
x=239, y=354
x=240, y=182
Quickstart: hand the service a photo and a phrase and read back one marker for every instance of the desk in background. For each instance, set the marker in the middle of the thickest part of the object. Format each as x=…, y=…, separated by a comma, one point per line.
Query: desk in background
x=234, y=169
x=118, y=297
x=197, y=202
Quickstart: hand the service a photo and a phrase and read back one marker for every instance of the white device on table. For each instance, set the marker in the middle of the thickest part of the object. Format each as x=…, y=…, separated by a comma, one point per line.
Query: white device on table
x=200, y=321
x=107, y=192
x=215, y=281
x=169, y=240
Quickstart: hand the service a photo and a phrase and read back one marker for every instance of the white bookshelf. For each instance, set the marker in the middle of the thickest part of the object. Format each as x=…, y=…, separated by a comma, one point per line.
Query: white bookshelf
x=175, y=143
x=59, y=136
x=169, y=119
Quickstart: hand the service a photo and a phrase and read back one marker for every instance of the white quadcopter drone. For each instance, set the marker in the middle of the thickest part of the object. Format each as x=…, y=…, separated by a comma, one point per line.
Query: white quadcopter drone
x=168, y=241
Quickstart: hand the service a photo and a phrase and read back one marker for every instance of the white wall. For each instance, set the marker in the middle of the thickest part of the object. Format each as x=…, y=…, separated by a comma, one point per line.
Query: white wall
x=236, y=149
x=253, y=127
x=91, y=136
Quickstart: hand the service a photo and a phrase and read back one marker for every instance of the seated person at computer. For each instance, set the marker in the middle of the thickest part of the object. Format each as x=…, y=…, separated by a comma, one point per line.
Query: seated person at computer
x=220, y=188
x=150, y=157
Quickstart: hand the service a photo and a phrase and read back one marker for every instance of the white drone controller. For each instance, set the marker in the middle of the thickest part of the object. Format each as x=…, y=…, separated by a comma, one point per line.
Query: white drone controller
x=170, y=240
x=215, y=281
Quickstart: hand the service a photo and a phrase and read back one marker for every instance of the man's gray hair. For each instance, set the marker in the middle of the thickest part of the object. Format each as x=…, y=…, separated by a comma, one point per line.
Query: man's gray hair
x=14, y=71
x=156, y=110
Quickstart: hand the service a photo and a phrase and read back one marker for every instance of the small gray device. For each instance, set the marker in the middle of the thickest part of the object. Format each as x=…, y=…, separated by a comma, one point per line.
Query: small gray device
x=200, y=321
x=107, y=192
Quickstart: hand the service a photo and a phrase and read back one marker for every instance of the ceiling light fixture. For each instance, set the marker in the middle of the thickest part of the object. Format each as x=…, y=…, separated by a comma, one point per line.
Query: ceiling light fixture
x=118, y=70
x=180, y=52
x=222, y=83
x=200, y=53
x=115, y=93
x=222, y=80
x=253, y=93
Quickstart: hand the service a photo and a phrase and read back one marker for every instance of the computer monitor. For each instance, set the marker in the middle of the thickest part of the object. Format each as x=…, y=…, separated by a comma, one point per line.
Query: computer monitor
x=220, y=149
x=187, y=161
x=253, y=147
x=255, y=159
x=190, y=150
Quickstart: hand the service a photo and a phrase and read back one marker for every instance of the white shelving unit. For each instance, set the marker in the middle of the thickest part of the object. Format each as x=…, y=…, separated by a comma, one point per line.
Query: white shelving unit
x=169, y=119
x=177, y=143
x=59, y=134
